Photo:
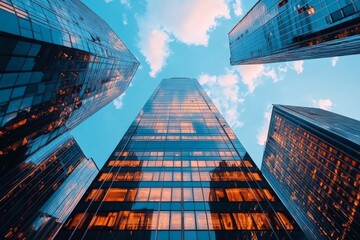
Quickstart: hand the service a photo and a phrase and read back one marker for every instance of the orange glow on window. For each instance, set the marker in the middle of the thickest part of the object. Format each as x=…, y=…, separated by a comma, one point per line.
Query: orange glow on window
x=189, y=220
x=76, y=221
x=142, y=196
x=227, y=221
x=285, y=221
x=115, y=195
x=176, y=195
x=164, y=219
x=269, y=195
x=175, y=220
x=131, y=195
x=214, y=224
x=155, y=194
x=257, y=176
x=244, y=221
x=261, y=220
x=93, y=193
x=135, y=221
x=201, y=222
x=166, y=195
x=188, y=194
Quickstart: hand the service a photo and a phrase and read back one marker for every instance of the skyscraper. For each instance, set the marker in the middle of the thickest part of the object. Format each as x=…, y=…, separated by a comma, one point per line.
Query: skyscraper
x=59, y=63
x=179, y=172
x=37, y=196
x=312, y=160
x=287, y=30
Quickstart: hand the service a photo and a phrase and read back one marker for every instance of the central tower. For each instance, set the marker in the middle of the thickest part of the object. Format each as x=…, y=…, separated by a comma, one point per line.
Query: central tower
x=179, y=172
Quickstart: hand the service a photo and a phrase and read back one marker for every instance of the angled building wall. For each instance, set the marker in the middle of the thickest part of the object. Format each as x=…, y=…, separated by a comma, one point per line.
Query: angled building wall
x=37, y=196
x=179, y=172
x=59, y=64
x=312, y=160
x=287, y=30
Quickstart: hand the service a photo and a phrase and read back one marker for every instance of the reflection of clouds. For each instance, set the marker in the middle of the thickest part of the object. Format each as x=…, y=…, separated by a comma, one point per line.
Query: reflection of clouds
x=224, y=91
x=118, y=102
x=263, y=132
x=64, y=200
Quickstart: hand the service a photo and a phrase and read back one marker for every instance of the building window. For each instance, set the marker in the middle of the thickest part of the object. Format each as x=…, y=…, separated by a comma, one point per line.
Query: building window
x=282, y=3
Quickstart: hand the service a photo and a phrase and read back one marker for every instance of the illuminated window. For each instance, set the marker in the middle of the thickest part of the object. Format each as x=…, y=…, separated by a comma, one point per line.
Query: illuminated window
x=188, y=194
x=285, y=221
x=189, y=220
x=226, y=221
x=201, y=222
x=261, y=220
x=177, y=176
x=135, y=221
x=175, y=220
x=166, y=195
x=142, y=196
x=176, y=195
x=233, y=195
x=151, y=221
x=104, y=220
x=131, y=195
x=244, y=221
x=115, y=195
x=155, y=194
x=198, y=195
x=186, y=176
x=220, y=195
x=164, y=219
x=95, y=193
x=282, y=3
x=78, y=221
x=269, y=195
x=214, y=221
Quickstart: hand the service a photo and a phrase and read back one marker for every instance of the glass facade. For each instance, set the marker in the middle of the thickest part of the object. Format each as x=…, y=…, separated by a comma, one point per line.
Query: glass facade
x=312, y=161
x=61, y=64
x=179, y=172
x=287, y=30
x=37, y=197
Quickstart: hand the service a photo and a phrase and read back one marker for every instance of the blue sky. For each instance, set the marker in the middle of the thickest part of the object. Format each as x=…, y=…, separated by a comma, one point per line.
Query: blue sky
x=188, y=38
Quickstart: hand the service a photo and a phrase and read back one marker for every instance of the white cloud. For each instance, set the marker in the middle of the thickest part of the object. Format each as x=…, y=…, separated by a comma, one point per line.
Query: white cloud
x=323, y=103
x=187, y=21
x=107, y=1
x=263, y=132
x=334, y=61
x=253, y=75
x=297, y=66
x=224, y=91
x=155, y=49
x=238, y=8
x=124, y=2
x=118, y=102
x=125, y=21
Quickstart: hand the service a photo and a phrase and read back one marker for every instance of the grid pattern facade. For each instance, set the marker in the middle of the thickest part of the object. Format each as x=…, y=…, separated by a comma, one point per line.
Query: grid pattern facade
x=312, y=161
x=287, y=30
x=61, y=64
x=179, y=172
x=37, y=197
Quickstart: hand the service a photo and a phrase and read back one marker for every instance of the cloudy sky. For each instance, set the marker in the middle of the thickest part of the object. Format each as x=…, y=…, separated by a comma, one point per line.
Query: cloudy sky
x=188, y=38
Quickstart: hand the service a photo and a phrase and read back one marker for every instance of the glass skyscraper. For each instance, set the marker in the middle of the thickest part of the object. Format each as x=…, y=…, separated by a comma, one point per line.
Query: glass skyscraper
x=287, y=30
x=312, y=161
x=37, y=196
x=179, y=172
x=59, y=63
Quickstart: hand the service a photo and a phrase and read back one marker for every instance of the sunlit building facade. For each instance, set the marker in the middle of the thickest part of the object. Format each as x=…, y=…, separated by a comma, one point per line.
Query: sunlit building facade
x=179, y=172
x=37, y=196
x=287, y=30
x=59, y=63
x=312, y=161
